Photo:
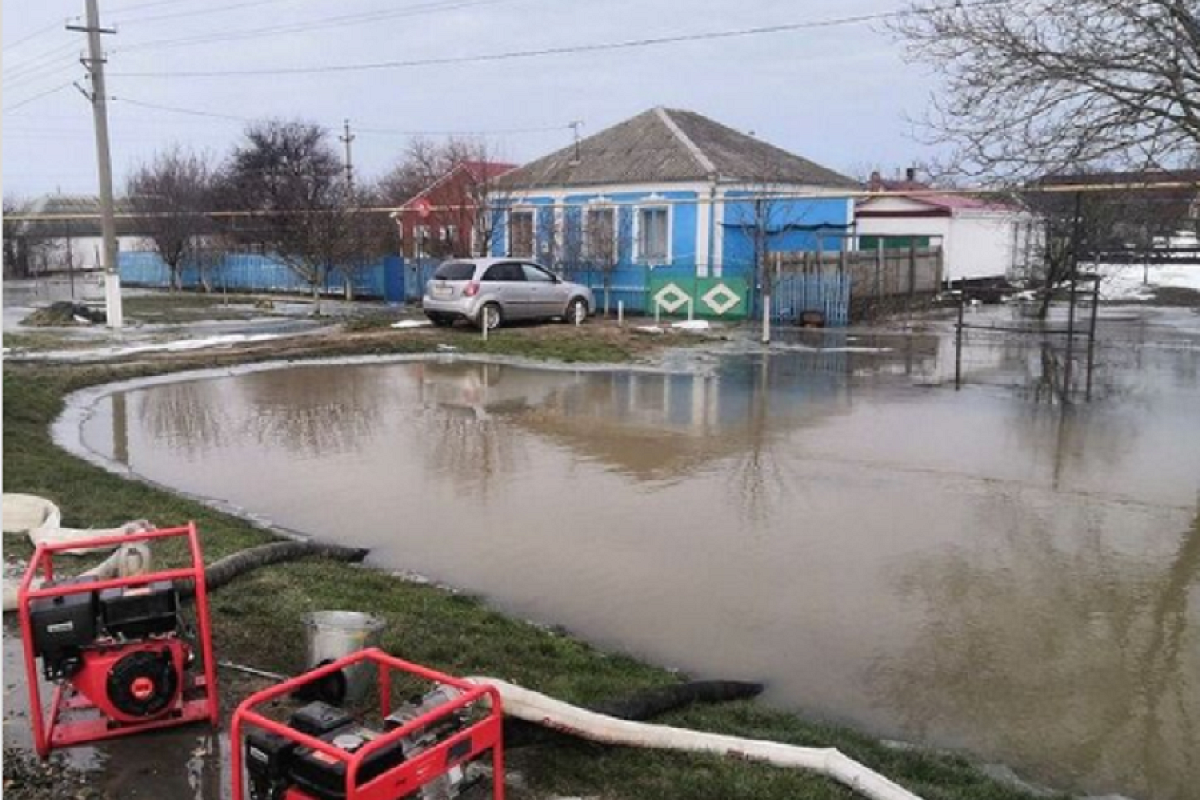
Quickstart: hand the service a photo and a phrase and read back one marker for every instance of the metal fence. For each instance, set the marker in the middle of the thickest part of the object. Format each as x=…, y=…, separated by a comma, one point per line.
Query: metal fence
x=250, y=272
x=796, y=295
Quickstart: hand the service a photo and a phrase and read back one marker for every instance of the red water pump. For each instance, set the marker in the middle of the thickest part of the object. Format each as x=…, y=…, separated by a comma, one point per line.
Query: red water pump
x=119, y=651
x=432, y=747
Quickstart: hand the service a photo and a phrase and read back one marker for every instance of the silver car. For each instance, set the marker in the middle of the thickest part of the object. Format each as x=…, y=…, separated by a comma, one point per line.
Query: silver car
x=491, y=291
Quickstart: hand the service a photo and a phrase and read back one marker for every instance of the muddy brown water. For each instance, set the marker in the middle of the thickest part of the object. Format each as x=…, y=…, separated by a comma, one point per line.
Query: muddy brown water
x=978, y=570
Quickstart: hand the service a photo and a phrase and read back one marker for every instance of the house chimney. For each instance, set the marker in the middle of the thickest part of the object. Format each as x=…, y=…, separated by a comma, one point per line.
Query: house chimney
x=910, y=174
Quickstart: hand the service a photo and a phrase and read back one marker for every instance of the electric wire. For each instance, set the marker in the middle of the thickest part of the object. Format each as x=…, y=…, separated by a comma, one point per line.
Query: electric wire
x=561, y=50
x=308, y=25
x=39, y=32
x=38, y=96
x=368, y=129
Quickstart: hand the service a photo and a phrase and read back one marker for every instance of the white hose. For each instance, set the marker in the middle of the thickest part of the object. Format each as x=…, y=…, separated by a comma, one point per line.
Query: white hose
x=41, y=520
x=546, y=711
x=127, y=561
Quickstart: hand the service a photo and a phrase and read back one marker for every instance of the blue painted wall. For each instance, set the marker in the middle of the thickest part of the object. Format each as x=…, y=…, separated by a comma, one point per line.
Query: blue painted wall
x=737, y=242
x=682, y=224
x=737, y=235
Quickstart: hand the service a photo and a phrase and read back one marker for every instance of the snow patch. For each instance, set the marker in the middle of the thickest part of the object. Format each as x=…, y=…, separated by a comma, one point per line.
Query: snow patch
x=412, y=323
x=1131, y=282
x=180, y=345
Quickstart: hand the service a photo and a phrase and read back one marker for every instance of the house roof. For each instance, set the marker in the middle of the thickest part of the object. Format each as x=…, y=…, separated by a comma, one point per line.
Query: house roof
x=1136, y=178
x=925, y=194
x=60, y=208
x=478, y=171
x=670, y=145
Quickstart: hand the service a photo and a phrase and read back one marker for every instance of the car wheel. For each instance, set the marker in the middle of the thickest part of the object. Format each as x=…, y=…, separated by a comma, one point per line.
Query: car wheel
x=490, y=316
x=577, y=309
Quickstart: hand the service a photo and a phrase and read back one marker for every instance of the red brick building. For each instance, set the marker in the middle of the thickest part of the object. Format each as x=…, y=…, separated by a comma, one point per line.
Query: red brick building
x=443, y=220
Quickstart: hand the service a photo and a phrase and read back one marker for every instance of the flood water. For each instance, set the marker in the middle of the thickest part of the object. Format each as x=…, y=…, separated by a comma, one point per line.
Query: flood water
x=978, y=569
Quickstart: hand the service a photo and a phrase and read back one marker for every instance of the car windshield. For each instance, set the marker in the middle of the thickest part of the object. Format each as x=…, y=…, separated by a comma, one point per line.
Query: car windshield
x=455, y=271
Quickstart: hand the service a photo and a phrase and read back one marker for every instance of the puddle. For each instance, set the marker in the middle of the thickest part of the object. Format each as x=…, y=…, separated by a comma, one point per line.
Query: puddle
x=973, y=569
x=181, y=763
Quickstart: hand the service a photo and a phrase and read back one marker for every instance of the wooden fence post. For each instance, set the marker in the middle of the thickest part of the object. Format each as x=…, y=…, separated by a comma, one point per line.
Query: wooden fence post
x=912, y=270
x=879, y=274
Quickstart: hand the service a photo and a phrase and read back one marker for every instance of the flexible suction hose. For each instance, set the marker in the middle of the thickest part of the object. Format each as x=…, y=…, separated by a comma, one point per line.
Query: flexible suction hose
x=546, y=711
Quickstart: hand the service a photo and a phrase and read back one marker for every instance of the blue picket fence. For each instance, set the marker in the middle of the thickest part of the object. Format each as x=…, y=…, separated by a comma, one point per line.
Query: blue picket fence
x=417, y=273
x=825, y=292
x=248, y=272
x=395, y=280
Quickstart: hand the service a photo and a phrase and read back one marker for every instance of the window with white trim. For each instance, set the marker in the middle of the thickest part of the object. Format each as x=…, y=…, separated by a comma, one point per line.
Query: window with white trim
x=520, y=234
x=652, y=233
x=600, y=235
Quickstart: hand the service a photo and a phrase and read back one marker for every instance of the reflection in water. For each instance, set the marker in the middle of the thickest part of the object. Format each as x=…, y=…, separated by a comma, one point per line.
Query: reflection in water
x=307, y=412
x=463, y=437
x=1030, y=632
x=337, y=412
x=971, y=569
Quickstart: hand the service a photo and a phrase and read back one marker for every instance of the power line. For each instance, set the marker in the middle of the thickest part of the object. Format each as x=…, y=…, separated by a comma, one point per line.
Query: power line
x=358, y=129
x=309, y=25
x=565, y=50
x=41, y=73
x=39, y=32
x=36, y=63
x=489, y=132
x=150, y=4
x=204, y=11
x=38, y=96
x=177, y=110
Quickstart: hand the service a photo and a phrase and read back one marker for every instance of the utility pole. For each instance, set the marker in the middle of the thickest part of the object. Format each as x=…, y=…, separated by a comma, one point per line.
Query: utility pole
x=347, y=138
x=108, y=225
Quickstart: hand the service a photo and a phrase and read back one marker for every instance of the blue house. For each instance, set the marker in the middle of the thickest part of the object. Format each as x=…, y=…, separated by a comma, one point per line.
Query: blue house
x=671, y=197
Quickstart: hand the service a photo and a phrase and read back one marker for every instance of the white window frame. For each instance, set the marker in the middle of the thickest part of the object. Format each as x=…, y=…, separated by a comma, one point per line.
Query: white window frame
x=508, y=228
x=639, y=256
x=423, y=234
x=585, y=228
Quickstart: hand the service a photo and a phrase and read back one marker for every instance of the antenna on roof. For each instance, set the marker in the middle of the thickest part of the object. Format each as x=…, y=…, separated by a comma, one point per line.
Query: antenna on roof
x=575, y=125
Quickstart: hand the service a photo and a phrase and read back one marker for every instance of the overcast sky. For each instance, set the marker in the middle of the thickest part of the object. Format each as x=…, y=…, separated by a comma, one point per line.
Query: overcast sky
x=841, y=96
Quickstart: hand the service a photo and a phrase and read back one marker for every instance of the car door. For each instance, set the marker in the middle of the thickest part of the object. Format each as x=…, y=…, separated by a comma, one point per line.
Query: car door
x=506, y=282
x=548, y=295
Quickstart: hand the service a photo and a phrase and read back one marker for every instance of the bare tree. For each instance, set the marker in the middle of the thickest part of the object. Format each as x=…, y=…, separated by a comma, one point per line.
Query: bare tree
x=170, y=196
x=16, y=256
x=765, y=216
x=1035, y=87
x=291, y=177
x=1122, y=225
x=370, y=236
x=488, y=197
x=34, y=247
x=471, y=216
x=601, y=248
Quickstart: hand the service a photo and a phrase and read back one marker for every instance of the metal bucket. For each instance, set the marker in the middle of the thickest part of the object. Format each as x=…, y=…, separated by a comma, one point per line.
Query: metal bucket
x=332, y=635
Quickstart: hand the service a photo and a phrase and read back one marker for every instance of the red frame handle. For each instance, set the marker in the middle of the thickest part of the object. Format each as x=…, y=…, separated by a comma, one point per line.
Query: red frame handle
x=43, y=562
x=482, y=735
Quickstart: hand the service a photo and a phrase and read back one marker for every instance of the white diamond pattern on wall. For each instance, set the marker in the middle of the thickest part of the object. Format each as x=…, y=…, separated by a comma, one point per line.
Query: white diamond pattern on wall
x=671, y=298
x=720, y=298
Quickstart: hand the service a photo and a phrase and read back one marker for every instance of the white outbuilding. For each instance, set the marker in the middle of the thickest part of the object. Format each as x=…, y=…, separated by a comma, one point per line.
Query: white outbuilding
x=981, y=240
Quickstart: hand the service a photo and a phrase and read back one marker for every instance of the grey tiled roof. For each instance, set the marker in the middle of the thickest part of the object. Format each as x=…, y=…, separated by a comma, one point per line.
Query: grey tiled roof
x=668, y=145
x=87, y=223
